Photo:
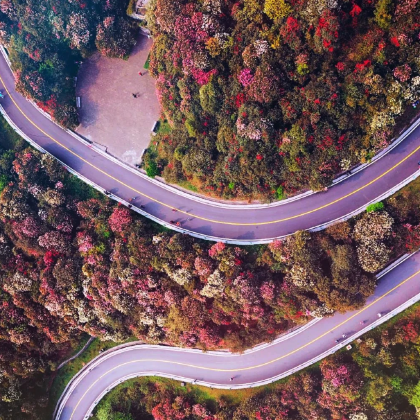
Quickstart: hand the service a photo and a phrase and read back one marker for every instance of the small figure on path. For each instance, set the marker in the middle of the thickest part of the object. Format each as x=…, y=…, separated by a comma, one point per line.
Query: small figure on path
x=174, y=210
x=344, y=336
x=134, y=95
x=140, y=73
x=379, y=314
x=231, y=379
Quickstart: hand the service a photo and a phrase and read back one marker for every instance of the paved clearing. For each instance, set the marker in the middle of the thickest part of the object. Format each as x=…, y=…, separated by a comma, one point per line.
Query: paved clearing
x=109, y=114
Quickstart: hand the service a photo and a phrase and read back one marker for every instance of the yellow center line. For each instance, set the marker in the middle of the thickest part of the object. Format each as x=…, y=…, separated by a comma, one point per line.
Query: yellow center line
x=201, y=217
x=249, y=367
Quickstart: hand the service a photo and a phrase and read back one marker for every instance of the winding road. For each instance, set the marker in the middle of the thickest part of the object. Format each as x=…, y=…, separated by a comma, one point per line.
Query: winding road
x=238, y=224
x=204, y=218
x=255, y=367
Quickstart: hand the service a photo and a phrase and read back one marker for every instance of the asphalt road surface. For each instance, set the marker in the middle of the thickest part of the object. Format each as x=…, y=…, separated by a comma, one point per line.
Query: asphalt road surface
x=395, y=288
x=244, y=224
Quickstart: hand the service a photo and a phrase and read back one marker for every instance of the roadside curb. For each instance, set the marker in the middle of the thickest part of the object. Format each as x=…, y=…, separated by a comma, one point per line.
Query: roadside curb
x=76, y=355
x=214, y=203
x=137, y=344
x=223, y=353
x=211, y=202
x=195, y=234
x=189, y=232
x=393, y=265
x=129, y=347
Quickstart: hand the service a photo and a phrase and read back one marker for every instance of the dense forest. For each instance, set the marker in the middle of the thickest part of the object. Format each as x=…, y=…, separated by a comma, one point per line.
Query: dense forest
x=263, y=98
x=379, y=379
x=47, y=39
x=72, y=261
x=269, y=97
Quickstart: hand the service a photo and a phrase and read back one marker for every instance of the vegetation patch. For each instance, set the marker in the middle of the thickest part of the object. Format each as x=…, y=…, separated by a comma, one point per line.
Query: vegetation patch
x=147, y=63
x=375, y=207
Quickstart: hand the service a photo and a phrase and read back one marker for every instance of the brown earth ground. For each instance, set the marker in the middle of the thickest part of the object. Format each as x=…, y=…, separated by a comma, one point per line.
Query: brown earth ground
x=109, y=114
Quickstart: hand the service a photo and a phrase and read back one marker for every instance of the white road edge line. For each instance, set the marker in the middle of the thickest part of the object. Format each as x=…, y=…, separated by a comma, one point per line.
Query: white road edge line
x=215, y=203
x=199, y=235
x=135, y=346
x=199, y=199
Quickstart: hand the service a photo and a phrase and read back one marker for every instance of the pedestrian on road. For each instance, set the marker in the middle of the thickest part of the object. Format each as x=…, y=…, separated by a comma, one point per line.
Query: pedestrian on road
x=379, y=314
x=231, y=379
x=134, y=95
x=140, y=73
x=336, y=341
x=344, y=336
x=173, y=209
x=141, y=206
x=362, y=322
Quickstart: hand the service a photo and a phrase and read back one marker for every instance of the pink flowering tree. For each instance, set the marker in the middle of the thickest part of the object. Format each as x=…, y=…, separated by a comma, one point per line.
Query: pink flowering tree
x=402, y=73
x=245, y=77
x=120, y=219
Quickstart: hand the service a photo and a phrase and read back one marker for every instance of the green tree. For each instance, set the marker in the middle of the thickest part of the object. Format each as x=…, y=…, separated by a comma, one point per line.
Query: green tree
x=4, y=180
x=294, y=145
x=152, y=169
x=377, y=389
x=276, y=9
x=383, y=13
x=209, y=97
x=131, y=8
x=415, y=396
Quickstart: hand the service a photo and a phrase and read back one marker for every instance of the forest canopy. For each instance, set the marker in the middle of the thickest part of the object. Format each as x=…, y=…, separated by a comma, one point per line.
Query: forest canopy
x=47, y=39
x=269, y=97
x=263, y=98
